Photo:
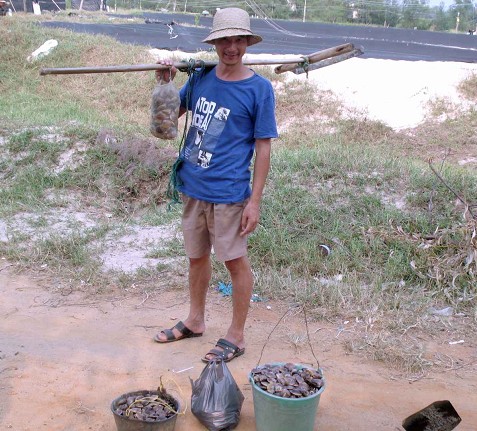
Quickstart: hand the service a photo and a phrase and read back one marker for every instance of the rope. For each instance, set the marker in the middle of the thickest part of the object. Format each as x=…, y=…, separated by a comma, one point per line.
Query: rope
x=174, y=180
x=304, y=65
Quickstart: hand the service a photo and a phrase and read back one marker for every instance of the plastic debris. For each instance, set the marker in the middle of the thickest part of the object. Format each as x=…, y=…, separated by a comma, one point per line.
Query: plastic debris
x=43, y=50
x=456, y=342
x=181, y=371
x=324, y=249
x=448, y=311
x=225, y=288
x=256, y=298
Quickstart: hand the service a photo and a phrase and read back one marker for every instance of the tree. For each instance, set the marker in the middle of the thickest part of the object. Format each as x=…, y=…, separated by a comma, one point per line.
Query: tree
x=462, y=13
x=415, y=14
x=442, y=20
x=328, y=10
x=383, y=12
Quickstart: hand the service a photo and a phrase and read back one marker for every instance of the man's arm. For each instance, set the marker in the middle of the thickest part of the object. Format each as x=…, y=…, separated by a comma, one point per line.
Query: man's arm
x=251, y=213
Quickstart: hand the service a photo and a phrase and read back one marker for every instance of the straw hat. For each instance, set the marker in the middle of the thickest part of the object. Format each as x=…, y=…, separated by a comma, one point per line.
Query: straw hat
x=232, y=21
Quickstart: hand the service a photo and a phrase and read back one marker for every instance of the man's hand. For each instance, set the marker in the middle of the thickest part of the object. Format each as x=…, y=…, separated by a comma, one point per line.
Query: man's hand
x=250, y=218
x=251, y=212
x=166, y=75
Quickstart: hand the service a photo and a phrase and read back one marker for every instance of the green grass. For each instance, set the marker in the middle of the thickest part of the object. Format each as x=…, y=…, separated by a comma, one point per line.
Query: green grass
x=31, y=99
x=342, y=196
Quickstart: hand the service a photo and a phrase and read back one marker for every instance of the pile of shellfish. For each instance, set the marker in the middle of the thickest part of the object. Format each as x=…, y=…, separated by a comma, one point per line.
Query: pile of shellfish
x=288, y=380
x=146, y=407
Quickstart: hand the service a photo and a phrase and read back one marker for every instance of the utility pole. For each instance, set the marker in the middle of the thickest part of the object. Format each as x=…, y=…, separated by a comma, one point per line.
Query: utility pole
x=304, y=12
x=457, y=22
x=474, y=27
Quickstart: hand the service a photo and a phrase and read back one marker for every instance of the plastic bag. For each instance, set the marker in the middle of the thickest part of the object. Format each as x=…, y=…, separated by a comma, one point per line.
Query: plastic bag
x=165, y=110
x=216, y=398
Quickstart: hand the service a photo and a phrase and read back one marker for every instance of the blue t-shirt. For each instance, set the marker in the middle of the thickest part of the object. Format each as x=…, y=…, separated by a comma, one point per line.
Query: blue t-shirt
x=227, y=117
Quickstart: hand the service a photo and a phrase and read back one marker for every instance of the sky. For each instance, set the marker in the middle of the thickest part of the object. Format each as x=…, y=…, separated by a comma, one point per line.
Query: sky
x=447, y=3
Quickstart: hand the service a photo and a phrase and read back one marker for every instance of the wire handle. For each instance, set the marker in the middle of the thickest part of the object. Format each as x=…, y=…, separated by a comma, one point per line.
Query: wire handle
x=307, y=335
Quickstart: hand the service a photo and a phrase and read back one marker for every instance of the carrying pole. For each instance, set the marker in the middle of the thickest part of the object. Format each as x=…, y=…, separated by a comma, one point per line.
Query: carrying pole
x=316, y=57
x=285, y=64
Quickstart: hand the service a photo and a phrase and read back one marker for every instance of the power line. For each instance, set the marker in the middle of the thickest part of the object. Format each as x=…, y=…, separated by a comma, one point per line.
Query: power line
x=261, y=14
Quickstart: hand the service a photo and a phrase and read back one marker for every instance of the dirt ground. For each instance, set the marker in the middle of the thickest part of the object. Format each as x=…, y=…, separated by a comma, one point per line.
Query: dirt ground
x=64, y=358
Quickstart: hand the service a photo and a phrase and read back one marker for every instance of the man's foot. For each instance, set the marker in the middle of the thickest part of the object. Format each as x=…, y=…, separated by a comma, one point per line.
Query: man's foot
x=170, y=336
x=224, y=350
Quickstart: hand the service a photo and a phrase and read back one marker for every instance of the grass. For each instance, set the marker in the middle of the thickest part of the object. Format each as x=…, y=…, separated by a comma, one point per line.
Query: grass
x=61, y=98
x=402, y=239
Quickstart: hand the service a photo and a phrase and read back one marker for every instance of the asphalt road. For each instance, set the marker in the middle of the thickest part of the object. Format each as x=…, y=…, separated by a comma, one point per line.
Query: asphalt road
x=290, y=37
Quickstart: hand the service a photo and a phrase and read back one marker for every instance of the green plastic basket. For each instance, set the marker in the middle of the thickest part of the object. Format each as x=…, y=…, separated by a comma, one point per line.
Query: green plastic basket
x=273, y=413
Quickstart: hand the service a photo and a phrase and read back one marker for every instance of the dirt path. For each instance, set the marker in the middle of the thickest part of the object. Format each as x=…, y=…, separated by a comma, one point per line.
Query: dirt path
x=63, y=359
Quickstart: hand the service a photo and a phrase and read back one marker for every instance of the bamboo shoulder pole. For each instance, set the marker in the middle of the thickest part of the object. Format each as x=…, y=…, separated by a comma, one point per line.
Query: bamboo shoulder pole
x=316, y=57
x=119, y=68
x=286, y=64
x=181, y=65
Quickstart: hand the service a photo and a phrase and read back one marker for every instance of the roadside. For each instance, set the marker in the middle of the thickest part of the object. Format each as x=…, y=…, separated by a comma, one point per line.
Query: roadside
x=65, y=357
x=97, y=264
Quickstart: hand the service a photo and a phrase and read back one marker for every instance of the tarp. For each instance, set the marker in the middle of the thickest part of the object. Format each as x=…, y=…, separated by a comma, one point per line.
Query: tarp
x=295, y=37
x=86, y=4
x=49, y=5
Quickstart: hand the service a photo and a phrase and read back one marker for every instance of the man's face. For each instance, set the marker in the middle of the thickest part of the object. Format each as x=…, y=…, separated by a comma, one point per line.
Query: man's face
x=231, y=49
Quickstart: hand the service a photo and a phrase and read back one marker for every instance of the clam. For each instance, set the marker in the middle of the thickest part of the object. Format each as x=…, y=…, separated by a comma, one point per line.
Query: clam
x=288, y=380
x=150, y=408
x=317, y=383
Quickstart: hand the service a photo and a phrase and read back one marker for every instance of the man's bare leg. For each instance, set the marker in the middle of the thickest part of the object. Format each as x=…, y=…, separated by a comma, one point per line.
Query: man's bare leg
x=242, y=286
x=200, y=271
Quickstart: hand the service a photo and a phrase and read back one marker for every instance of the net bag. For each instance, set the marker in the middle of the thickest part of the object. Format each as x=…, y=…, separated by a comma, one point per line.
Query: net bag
x=165, y=110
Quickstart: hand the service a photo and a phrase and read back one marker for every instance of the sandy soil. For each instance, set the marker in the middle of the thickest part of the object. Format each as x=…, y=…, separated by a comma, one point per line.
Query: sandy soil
x=64, y=358
x=397, y=93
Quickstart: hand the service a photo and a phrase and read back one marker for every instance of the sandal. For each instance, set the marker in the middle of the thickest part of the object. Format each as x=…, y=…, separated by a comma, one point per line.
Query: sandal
x=226, y=349
x=170, y=336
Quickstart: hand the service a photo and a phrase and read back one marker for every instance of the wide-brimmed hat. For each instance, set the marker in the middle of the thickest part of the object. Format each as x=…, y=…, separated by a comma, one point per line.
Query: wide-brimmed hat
x=232, y=21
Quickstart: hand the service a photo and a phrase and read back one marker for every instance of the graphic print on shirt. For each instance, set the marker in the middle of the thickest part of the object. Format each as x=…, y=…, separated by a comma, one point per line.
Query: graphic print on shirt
x=206, y=127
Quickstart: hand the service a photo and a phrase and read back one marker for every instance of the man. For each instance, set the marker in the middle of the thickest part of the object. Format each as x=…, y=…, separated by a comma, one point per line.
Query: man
x=233, y=115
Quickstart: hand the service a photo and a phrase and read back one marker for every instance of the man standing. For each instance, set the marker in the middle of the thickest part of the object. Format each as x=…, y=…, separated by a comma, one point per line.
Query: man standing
x=233, y=116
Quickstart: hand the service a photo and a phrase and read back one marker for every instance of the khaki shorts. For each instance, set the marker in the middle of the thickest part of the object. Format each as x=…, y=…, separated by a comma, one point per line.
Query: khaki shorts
x=206, y=225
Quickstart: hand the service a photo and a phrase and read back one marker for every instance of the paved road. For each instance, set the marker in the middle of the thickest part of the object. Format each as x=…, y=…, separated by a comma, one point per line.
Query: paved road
x=291, y=37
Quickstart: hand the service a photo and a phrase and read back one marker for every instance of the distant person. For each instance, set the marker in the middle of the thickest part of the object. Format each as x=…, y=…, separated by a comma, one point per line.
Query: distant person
x=36, y=7
x=233, y=117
